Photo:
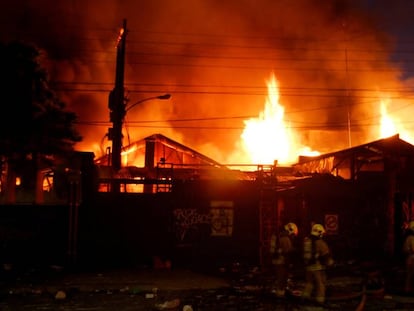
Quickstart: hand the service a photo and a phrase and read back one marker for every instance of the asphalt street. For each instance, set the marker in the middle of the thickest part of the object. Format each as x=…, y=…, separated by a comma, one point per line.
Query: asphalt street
x=149, y=289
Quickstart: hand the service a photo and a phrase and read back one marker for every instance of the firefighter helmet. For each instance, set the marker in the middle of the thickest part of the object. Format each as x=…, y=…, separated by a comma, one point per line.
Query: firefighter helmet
x=292, y=228
x=318, y=230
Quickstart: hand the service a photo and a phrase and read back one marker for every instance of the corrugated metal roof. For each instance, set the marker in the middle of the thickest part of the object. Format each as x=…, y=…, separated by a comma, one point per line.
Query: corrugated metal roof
x=372, y=152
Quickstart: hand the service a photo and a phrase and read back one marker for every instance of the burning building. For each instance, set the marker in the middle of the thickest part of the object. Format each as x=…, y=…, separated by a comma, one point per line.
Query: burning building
x=191, y=209
x=332, y=87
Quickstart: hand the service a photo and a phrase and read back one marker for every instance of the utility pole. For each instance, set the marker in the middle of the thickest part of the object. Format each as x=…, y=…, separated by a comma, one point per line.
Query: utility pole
x=344, y=25
x=116, y=104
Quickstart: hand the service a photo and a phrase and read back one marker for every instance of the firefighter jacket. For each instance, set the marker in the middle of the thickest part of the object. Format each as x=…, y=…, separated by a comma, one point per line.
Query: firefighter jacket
x=316, y=254
x=281, y=248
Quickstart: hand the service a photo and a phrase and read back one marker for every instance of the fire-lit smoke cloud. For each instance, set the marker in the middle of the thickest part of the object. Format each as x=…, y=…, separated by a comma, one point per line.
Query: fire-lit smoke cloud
x=331, y=58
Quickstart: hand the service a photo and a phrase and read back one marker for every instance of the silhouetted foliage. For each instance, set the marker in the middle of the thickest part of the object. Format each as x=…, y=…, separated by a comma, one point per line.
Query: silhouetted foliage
x=33, y=119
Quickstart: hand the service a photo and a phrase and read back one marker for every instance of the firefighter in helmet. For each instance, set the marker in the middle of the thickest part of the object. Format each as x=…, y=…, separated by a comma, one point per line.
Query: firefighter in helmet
x=281, y=249
x=408, y=248
x=317, y=257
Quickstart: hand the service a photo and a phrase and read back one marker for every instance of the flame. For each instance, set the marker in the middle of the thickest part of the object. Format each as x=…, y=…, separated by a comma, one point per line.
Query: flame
x=267, y=138
x=269, y=124
x=121, y=33
x=387, y=127
x=124, y=154
x=391, y=124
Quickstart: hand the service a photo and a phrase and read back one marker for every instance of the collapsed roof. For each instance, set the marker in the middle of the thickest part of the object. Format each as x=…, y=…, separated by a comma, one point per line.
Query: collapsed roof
x=160, y=152
x=351, y=162
x=164, y=154
x=167, y=151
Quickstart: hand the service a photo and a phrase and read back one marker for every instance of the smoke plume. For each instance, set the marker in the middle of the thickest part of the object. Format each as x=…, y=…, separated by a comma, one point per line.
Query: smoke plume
x=332, y=60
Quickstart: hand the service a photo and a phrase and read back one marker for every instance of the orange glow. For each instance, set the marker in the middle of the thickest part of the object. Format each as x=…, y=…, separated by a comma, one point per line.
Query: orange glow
x=264, y=140
x=391, y=125
x=269, y=126
x=387, y=128
x=268, y=138
x=133, y=155
x=121, y=32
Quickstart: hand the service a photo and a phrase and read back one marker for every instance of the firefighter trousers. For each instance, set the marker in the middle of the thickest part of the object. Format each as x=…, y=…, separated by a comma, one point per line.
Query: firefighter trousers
x=315, y=285
x=281, y=280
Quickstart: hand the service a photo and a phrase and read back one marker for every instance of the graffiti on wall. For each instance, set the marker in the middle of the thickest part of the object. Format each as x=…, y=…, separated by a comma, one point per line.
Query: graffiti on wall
x=188, y=221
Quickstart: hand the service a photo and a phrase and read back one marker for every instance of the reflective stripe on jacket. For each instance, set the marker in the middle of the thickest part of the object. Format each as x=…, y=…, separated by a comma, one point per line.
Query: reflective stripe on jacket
x=280, y=248
x=313, y=251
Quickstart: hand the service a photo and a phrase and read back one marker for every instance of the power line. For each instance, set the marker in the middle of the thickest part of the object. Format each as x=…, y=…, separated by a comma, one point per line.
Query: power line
x=240, y=93
x=321, y=126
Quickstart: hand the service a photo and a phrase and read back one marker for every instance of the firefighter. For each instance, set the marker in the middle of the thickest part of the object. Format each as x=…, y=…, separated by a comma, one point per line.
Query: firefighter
x=408, y=248
x=281, y=249
x=317, y=257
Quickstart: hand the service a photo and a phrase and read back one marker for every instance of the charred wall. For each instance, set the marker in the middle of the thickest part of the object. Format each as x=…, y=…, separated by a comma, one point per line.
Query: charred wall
x=197, y=224
x=201, y=223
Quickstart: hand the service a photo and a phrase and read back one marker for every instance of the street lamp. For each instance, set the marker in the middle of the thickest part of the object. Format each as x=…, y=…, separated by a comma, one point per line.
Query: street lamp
x=162, y=97
x=117, y=135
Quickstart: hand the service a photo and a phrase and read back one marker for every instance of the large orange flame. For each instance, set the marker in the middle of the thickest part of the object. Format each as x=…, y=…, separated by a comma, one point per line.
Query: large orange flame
x=387, y=124
x=391, y=124
x=267, y=138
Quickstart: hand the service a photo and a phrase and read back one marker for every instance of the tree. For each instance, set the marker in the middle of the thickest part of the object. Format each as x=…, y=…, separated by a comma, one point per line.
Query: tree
x=34, y=123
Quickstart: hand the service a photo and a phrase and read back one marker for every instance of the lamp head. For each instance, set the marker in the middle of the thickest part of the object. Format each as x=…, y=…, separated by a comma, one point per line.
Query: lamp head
x=165, y=96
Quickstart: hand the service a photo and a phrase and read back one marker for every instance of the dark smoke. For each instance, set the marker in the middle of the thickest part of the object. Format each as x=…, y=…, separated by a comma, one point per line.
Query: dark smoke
x=332, y=59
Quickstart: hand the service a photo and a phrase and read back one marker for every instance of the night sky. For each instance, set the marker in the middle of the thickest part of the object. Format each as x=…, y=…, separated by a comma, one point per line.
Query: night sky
x=214, y=57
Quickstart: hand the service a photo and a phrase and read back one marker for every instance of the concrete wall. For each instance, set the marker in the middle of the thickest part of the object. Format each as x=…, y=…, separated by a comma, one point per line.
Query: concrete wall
x=197, y=224
x=203, y=224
